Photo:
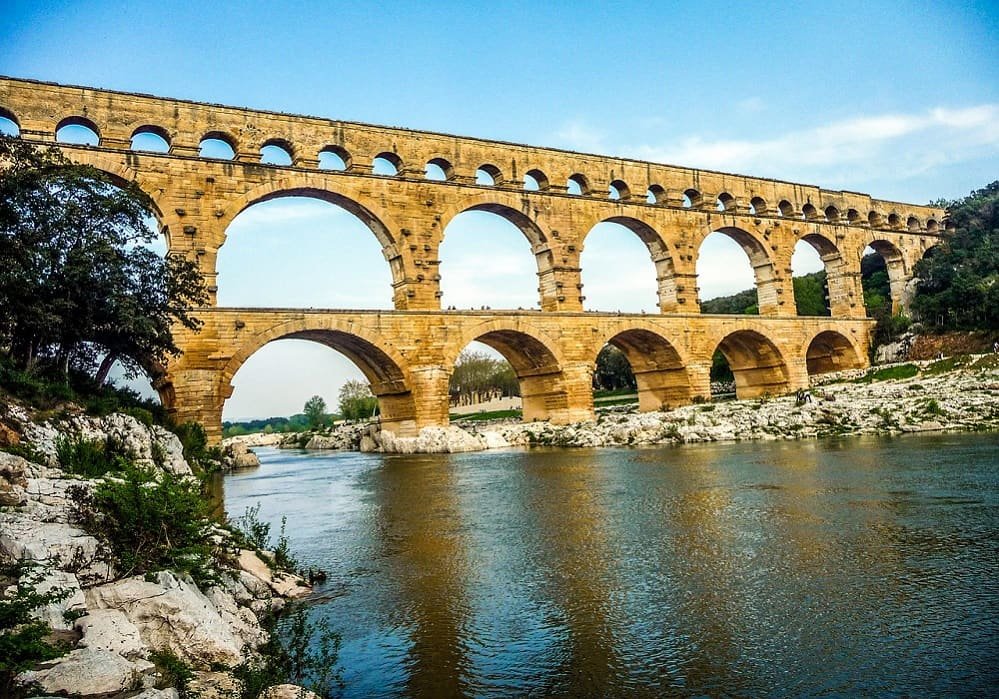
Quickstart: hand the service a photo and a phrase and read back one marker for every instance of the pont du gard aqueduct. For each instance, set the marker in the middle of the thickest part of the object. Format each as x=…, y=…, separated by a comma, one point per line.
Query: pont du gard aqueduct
x=408, y=353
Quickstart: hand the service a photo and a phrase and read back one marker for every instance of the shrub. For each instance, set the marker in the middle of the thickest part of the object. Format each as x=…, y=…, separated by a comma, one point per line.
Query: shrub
x=173, y=671
x=92, y=458
x=149, y=522
x=250, y=531
x=23, y=641
x=299, y=651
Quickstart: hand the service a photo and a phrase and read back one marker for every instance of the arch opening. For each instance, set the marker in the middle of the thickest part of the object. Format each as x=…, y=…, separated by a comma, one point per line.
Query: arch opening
x=276, y=152
x=725, y=202
x=655, y=195
x=832, y=214
x=334, y=158
x=277, y=372
x=482, y=380
x=286, y=250
x=831, y=351
x=578, y=185
x=488, y=175
x=615, y=270
x=386, y=164
x=691, y=199
x=535, y=181
x=883, y=278
x=758, y=206
x=218, y=146
x=9, y=125
x=618, y=190
x=785, y=209
x=657, y=372
x=810, y=269
x=152, y=139
x=438, y=170
x=758, y=368
x=735, y=274
x=79, y=131
x=537, y=370
x=485, y=263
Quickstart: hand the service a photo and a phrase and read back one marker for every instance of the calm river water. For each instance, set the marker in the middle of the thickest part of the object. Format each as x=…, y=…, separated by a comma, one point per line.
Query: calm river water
x=851, y=567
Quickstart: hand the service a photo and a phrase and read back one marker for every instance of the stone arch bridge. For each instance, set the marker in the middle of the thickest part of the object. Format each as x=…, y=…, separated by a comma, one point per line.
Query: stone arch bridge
x=554, y=197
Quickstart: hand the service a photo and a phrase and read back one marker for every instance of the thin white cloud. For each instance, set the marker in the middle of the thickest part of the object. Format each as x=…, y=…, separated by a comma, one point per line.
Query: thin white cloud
x=858, y=149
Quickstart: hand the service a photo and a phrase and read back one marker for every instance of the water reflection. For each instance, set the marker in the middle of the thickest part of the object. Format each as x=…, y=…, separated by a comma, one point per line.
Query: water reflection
x=851, y=567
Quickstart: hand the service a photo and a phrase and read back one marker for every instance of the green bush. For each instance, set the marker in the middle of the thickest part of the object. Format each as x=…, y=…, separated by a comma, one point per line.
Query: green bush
x=250, y=531
x=23, y=639
x=93, y=458
x=149, y=522
x=902, y=371
x=299, y=651
x=173, y=671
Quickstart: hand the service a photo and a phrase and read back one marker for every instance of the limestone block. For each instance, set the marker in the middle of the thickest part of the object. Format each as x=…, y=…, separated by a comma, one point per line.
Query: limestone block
x=111, y=630
x=88, y=671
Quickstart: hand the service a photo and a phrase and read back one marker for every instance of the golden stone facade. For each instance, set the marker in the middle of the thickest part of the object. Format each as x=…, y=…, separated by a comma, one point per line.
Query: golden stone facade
x=408, y=353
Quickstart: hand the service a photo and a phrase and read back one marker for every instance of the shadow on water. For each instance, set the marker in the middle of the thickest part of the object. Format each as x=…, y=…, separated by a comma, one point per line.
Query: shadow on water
x=861, y=566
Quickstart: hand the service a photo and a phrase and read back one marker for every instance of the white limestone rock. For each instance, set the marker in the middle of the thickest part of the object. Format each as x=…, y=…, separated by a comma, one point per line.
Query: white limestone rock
x=56, y=544
x=111, y=630
x=88, y=672
x=288, y=691
x=54, y=613
x=430, y=440
x=173, y=614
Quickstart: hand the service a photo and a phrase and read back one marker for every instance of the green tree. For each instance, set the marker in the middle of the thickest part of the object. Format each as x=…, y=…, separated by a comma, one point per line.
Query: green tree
x=357, y=401
x=959, y=280
x=315, y=411
x=477, y=375
x=613, y=372
x=76, y=280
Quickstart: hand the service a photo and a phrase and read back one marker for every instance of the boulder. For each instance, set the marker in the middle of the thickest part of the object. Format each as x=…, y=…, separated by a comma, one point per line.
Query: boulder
x=88, y=671
x=60, y=545
x=54, y=613
x=238, y=457
x=169, y=693
x=283, y=584
x=172, y=614
x=110, y=630
x=430, y=440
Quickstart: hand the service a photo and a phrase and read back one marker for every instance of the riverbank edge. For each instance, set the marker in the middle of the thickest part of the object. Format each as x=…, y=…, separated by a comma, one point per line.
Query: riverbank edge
x=115, y=625
x=956, y=394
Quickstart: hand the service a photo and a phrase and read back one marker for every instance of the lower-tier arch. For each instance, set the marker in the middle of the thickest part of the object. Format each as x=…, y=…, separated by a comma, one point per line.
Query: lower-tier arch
x=830, y=350
x=660, y=370
x=383, y=367
x=757, y=364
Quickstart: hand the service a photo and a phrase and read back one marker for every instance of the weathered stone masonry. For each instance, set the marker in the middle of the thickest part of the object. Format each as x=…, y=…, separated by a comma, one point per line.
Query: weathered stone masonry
x=408, y=353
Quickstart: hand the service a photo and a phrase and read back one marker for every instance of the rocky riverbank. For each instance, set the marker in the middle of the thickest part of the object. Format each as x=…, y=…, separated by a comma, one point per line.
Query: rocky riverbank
x=954, y=394
x=118, y=627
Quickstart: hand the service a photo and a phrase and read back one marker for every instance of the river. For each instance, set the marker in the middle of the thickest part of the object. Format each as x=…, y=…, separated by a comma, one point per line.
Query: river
x=848, y=567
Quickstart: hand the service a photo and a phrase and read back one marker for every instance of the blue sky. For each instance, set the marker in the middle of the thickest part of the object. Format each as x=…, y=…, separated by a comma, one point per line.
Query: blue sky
x=898, y=99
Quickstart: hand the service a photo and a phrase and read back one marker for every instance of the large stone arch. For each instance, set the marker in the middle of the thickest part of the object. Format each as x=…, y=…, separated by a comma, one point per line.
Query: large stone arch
x=369, y=212
x=660, y=251
x=536, y=359
x=842, y=281
x=758, y=251
x=758, y=364
x=830, y=350
x=517, y=209
x=899, y=271
x=382, y=365
x=660, y=368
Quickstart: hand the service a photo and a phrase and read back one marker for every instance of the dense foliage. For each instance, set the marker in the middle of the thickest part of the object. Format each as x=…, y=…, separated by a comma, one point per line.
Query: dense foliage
x=315, y=412
x=959, y=280
x=357, y=401
x=148, y=521
x=810, y=298
x=77, y=283
x=613, y=372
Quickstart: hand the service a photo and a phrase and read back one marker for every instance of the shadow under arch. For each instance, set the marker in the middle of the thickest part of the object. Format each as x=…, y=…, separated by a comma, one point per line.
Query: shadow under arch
x=659, y=252
x=660, y=371
x=757, y=364
x=383, y=367
x=760, y=260
x=373, y=217
x=535, y=359
x=830, y=351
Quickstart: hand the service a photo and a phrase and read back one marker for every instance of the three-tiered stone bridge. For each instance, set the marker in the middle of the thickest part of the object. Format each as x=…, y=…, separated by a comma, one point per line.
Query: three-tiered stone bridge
x=408, y=353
